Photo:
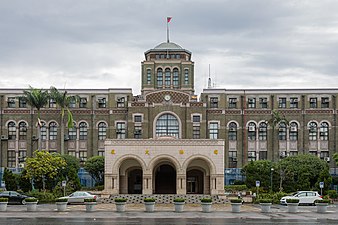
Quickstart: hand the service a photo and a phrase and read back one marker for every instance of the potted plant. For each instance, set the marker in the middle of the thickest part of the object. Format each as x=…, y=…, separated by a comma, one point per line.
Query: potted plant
x=120, y=204
x=179, y=204
x=90, y=204
x=149, y=204
x=3, y=204
x=31, y=204
x=206, y=204
x=322, y=205
x=236, y=205
x=292, y=204
x=61, y=204
x=265, y=205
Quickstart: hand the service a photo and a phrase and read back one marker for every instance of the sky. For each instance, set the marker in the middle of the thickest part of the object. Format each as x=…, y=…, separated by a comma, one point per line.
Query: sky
x=76, y=44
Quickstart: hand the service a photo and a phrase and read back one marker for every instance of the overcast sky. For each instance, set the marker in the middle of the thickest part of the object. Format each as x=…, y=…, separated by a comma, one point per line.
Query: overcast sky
x=101, y=43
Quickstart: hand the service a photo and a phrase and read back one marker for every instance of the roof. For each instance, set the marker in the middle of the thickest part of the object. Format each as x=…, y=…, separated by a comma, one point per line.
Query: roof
x=168, y=46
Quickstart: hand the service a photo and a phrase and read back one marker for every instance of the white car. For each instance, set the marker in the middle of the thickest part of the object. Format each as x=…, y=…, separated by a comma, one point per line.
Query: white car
x=79, y=196
x=305, y=197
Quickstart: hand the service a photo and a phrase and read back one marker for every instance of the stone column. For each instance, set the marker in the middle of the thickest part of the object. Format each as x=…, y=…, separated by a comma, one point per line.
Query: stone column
x=181, y=188
x=147, y=188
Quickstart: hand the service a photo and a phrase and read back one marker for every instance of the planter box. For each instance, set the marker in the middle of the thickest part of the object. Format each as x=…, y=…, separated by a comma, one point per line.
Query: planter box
x=149, y=206
x=31, y=206
x=206, y=206
x=3, y=206
x=90, y=206
x=321, y=207
x=292, y=207
x=236, y=207
x=61, y=206
x=120, y=206
x=179, y=206
x=265, y=207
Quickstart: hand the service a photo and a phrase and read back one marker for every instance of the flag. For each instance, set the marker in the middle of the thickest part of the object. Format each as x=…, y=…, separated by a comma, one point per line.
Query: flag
x=168, y=19
x=39, y=122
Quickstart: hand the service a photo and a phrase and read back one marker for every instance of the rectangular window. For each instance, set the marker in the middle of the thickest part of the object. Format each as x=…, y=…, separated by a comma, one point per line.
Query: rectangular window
x=263, y=155
x=148, y=76
x=83, y=103
x=22, y=103
x=232, y=159
x=251, y=156
x=52, y=103
x=138, y=132
x=137, y=118
x=213, y=130
x=213, y=102
x=102, y=102
x=121, y=102
x=22, y=156
x=232, y=135
x=293, y=103
x=196, y=118
x=196, y=132
x=282, y=103
x=313, y=103
x=186, y=76
x=325, y=102
x=72, y=102
x=83, y=156
x=263, y=103
x=71, y=133
x=11, y=159
x=72, y=153
x=232, y=103
x=100, y=153
x=11, y=102
x=252, y=103
x=120, y=130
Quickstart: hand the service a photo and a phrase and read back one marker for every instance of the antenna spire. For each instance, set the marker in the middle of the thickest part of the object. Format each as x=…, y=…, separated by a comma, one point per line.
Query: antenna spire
x=209, y=80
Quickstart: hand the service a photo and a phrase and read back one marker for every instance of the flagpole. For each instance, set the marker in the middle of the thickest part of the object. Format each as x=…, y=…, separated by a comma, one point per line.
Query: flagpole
x=167, y=31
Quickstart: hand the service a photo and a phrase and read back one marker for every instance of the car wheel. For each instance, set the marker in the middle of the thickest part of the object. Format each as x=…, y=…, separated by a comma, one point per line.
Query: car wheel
x=23, y=202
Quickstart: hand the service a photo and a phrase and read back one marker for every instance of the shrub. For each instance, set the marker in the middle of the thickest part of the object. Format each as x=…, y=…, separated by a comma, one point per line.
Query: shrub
x=275, y=197
x=332, y=194
x=292, y=200
x=61, y=200
x=206, y=200
x=236, y=200
x=179, y=200
x=149, y=200
x=44, y=197
x=120, y=200
x=89, y=200
x=3, y=199
x=265, y=200
x=31, y=199
x=235, y=188
x=322, y=201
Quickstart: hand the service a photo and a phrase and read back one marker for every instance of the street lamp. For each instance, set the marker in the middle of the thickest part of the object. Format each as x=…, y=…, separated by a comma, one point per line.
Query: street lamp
x=271, y=173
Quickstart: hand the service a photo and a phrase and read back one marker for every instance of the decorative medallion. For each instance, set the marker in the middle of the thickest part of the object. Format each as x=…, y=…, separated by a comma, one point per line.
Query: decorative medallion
x=112, y=152
x=215, y=152
x=167, y=97
x=181, y=152
x=146, y=152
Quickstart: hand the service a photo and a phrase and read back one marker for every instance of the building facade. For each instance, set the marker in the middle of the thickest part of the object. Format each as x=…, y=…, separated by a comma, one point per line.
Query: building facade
x=168, y=128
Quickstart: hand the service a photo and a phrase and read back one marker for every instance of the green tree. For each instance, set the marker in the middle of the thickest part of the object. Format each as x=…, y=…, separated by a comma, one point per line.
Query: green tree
x=36, y=98
x=11, y=180
x=44, y=166
x=63, y=100
x=70, y=171
x=335, y=157
x=95, y=167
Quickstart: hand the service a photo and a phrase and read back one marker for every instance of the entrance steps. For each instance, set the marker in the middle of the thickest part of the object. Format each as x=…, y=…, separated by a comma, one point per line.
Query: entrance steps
x=165, y=198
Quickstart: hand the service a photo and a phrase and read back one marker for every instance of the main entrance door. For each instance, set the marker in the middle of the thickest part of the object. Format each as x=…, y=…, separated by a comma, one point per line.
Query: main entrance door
x=165, y=179
x=135, y=181
x=194, y=182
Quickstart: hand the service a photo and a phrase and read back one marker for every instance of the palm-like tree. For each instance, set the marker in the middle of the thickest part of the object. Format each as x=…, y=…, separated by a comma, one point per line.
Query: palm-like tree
x=63, y=100
x=36, y=98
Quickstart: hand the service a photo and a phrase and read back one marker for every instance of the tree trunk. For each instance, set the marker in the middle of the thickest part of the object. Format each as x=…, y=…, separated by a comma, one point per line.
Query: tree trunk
x=62, y=136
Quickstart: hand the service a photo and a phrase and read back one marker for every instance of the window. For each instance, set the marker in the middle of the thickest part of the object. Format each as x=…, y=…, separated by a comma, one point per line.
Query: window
x=167, y=78
x=148, y=76
x=72, y=153
x=52, y=103
x=121, y=102
x=83, y=103
x=22, y=156
x=83, y=156
x=293, y=134
x=120, y=130
x=167, y=125
x=101, y=102
x=196, y=118
x=312, y=131
x=43, y=131
x=72, y=135
x=232, y=134
x=72, y=102
x=53, y=131
x=213, y=130
x=232, y=159
x=262, y=133
x=252, y=131
x=83, y=131
x=22, y=102
x=324, y=131
x=100, y=153
x=263, y=103
x=251, y=103
x=137, y=118
x=11, y=131
x=159, y=78
x=293, y=103
x=325, y=102
x=196, y=131
x=11, y=159
x=282, y=103
x=263, y=155
x=214, y=102
x=313, y=102
x=102, y=130
x=11, y=102
x=282, y=131
x=175, y=77
x=232, y=103
x=251, y=156
x=138, y=132
x=22, y=131
x=186, y=76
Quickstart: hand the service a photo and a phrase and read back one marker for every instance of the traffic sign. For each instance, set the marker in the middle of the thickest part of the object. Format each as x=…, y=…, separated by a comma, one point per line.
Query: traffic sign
x=321, y=184
x=258, y=183
x=64, y=183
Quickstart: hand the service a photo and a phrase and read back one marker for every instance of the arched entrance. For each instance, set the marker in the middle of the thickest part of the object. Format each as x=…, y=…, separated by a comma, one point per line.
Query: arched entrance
x=198, y=176
x=130, y=177
x=165, y=179
x=195, y=181
x=135, y=181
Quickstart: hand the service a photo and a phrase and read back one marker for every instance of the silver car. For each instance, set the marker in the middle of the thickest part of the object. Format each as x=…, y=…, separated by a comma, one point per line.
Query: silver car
x=79, y=196
x=305, y=197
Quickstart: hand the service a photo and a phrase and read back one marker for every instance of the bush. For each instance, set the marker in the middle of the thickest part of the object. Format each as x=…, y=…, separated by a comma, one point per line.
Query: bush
x=332, y=194
x=274, y=196
x=206, y=200
x=31, y=199
x=235, y=188
x=44, y=197
x=265, y=200
x=120, y=200
x=61, y=200
x=322, y=201
x=179, y=200
x=3, y=199
x=292, y=200
x=236, y=200
x=149, y=200
x=89, y=200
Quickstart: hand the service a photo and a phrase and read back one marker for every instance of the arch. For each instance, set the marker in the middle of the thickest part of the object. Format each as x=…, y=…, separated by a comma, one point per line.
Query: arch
x=169, y=113
x=211, y=165
x=116, y=166
x=232, y=121
x=101, y=121
x=10, y=121
x=325, y=121
x=294, y=121
x=27, y=124
x=312, y=122
x=83, y=121
x=251, y=121
x=163, y=158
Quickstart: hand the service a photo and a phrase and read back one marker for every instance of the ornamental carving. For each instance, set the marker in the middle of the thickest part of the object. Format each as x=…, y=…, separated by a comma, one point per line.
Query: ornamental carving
x=175, y=97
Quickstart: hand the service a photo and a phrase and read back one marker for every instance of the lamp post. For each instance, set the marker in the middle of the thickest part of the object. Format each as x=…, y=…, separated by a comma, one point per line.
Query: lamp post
x=271, y=173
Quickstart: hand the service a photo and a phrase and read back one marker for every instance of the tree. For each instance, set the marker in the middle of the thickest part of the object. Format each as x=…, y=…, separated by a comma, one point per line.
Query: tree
x=44, y=166
x=36, y=98
x=11, y=180
x=63, y=100
x=70, y=171
x=95, y=167
x=335, y=157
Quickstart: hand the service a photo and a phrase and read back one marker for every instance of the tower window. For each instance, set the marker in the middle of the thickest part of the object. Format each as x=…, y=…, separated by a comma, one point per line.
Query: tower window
x=186, y=76
x=148, y=76
x=159, y=78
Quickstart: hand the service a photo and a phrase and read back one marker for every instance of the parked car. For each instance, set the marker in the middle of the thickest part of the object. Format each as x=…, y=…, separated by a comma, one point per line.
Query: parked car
x=79, y=196
x=14, y=197
x=305, y=197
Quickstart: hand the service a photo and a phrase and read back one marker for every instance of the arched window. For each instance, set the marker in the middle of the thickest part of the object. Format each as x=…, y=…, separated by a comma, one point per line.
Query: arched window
x=282, y=131
x=232, y=135
x=53, y=131
x=293, y=135
x=262, y=133
x=167, y=125
x=313, y=131
x=22, y=131
x=186, y=76
x=83, y=130
x=148, y=76
x=11, y=131
x=102, y=130
x=324, y=131
x=175, y=77
x=72, y=135
x=167, y=77
x=43, y=131
x=159, y=77
x=252, y=131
